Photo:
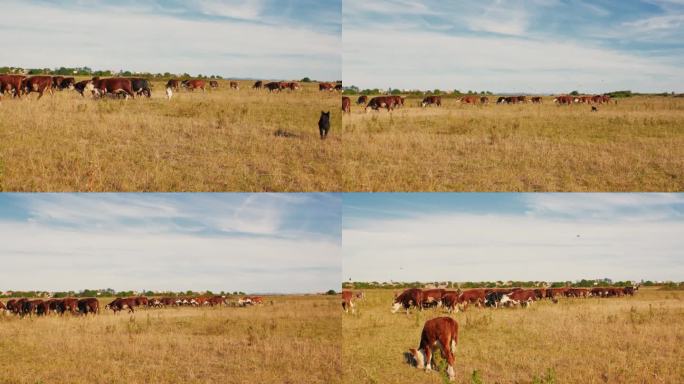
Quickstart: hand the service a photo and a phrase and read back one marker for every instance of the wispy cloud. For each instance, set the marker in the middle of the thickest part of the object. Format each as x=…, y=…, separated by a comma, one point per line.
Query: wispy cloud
x=549, y=237
x=540, y=46
x=263, y=39
x=249, y=242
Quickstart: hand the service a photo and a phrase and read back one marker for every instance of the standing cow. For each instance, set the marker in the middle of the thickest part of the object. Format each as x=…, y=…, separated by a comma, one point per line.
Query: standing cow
x=346, y=104
x=412, y=297
x=442, y=333
x=324, y=124
x=432, y=100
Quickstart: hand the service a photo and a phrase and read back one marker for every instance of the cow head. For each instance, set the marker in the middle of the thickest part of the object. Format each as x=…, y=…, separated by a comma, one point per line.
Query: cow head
x=396, y=306
x=416, y=357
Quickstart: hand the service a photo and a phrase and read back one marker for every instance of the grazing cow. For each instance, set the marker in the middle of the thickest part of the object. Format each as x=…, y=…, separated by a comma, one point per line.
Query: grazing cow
x=141, y=87
x=381, y=102
x=191, y=85
x=85, y=85
x=521, y=99
x=69, y=305
x=468, y=100
x=67, y=83
x=216, y=300
x=432, y=100
x=432, y=297
x=119, y=304
x=16, y=306
x=348, y=300
x=57, y=82
x=324, y=124
x=398, y=101
x=273, y=86
x=114, y=85
x=38, y=84
x=563, y=100
x=234, y=85
x=12, y=84
x=214, y=84
x=363, y=99
x=338, y=86
x=450, y=301
x=442, y=333
x=630, y=290
x=258, y=85
x=293, y=85
x=326, y=87
x=412, y=297
x=484, y=100
x=89, y=305
x=496, y=299
x=346, y=104
x=31, y=307
x=524, y=297
x=577, y=292
x=173, y=84
x=536, y=100
x=141, y=301
x=599, y=292
x=473, y=296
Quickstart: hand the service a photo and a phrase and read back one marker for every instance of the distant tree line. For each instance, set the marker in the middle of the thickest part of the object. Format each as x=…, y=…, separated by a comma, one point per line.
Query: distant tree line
x=354, y=90
x=508, y=284
x=110, y=292
x=87, y=71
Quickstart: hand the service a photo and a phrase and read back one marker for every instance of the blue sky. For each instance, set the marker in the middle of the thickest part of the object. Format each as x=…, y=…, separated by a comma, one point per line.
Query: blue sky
x=248, y=242
x=512, y=236
x=515, y=46
x=270, y=39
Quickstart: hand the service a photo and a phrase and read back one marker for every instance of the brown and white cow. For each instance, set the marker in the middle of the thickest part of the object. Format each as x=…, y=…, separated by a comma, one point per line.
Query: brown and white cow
x=442, y=333
x=213, y=84
x=363, y=99
x=524, y=297
x=381, y=102
x=468, y=100
x=38, y=84
x=89, y=305
x=412, y=297
x=476, y=296
x=12, y=84
x=484, y=100
x=119, y=304
x=536, y=100
x=234, y=85
x=114, y=86
x=348, y=300
x=346, y=104
x=258, y=84
x=431, y=100
x=432, y=297
x=191, y=85
x=326, y=87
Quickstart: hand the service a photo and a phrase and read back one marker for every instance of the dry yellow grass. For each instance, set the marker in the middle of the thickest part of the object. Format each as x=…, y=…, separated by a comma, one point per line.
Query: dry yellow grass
x=636, y=145
x=615, y=340
x=295, y=340
x=220, y=140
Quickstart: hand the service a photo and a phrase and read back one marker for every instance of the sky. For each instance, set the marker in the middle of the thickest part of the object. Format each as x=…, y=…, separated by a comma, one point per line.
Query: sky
x=258, y=243
x=512, y=236
x=532, y=46
x=266, y=39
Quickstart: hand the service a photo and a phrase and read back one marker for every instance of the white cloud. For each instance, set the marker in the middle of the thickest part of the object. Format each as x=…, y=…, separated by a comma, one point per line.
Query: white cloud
x=126, y=38
x=425, y=60
x=463, y=247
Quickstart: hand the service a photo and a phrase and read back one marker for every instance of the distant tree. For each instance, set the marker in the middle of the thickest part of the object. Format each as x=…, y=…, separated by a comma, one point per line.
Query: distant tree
x=306, y=80
x=331, y=292
x=396, y=92
x=574, y=93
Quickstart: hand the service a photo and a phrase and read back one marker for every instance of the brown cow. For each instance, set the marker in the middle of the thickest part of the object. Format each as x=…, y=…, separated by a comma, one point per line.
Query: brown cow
x=432, y=100
x=38, y=84
x=484, y=100
x=273, y=86
x=468, y=100
x=57, y=82
x=114, y=86
x=381, y=102
x=213, y=84
x=326, y=86
x=450, y=301
x=191, y=85
x=442, y=333
x=89, y=305
x=258, y=84
x=173, y=84
x=348, y=300
x=563, y=100
x=536, y=100
x=119, y=304
x=346, y=104
x=412, y=297
x=398, y=101
x=234, y=85
x=12, y=84
x=432, y=297
x=363, y=99
x=475, y=296
x=524, y=297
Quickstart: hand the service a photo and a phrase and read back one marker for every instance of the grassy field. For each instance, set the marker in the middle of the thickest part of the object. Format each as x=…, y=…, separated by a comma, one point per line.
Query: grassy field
x=636, y=145
x=220, y=140
x=295, y=340
x=615, y=340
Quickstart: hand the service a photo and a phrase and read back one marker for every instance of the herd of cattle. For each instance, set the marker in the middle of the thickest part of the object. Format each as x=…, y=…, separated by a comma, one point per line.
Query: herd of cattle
x=17, y=86
x=38, y=307
x=392, y=102
x=442, y=332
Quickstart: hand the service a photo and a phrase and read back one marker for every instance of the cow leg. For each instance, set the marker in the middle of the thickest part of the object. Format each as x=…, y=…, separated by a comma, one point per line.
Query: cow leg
x=428, y=359
x=448, y=346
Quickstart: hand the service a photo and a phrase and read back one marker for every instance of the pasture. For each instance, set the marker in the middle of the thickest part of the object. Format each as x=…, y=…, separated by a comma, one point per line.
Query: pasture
x=294, y=340
x=636, y=145
x=218, y=140
x=591, y=340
